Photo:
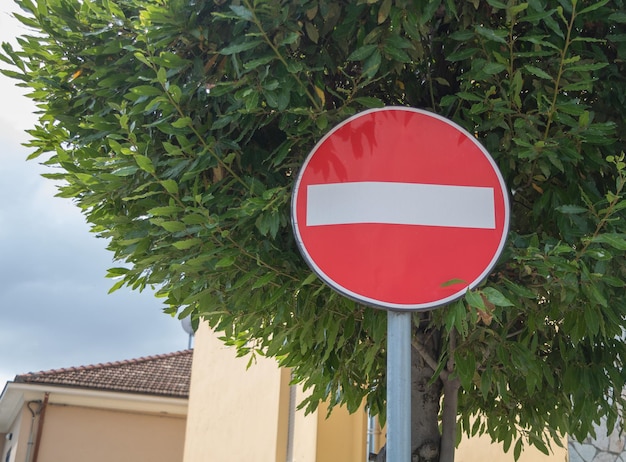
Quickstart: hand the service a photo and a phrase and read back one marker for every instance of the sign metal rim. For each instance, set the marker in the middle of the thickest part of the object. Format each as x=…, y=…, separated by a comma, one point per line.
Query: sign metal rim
x=381, y=303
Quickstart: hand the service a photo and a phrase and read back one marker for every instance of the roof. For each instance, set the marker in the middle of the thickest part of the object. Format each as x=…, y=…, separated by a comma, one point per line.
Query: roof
x=163, y=375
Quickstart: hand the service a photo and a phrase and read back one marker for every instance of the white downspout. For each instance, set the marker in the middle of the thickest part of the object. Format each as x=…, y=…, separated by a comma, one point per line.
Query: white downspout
x=31, y=442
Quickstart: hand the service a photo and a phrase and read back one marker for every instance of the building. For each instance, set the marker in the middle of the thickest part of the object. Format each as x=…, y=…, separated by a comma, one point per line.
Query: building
x=137, y=410
x=125, y=411
x=241, y=414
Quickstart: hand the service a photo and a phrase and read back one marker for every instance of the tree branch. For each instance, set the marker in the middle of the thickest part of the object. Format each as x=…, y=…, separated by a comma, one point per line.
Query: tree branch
x=451, y=386
x=428, y=359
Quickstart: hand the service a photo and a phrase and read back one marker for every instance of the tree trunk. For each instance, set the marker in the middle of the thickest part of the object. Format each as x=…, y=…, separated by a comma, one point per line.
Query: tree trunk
x=425, y=399
x=448, y=417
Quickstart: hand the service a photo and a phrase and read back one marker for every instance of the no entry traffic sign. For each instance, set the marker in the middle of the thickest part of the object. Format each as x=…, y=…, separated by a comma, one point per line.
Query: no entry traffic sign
x=401, y=209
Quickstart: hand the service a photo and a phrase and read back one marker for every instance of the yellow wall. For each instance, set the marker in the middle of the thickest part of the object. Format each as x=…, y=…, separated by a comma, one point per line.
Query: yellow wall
x=306, y=433
x=481, y=449
x=76, y=434
x=341, y=436
x=233, y=411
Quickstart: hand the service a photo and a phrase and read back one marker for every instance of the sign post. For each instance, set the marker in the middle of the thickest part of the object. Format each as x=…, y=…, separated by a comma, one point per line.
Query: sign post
x=403, y=210
x=398, y=386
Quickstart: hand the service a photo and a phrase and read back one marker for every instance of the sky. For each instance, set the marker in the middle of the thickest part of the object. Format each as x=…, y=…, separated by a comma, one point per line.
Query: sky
x=55, y=310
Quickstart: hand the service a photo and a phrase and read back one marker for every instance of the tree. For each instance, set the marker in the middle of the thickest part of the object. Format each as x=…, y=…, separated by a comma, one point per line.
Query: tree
x=178, y=127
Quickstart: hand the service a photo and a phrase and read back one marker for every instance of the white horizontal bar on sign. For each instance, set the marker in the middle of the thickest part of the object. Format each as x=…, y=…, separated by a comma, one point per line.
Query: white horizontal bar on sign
x=400, y=203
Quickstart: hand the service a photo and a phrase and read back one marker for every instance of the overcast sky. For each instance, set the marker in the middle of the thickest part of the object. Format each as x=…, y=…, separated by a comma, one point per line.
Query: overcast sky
x=54, y=308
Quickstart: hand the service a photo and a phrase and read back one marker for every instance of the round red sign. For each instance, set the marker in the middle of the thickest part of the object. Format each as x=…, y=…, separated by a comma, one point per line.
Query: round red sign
x=400, y=209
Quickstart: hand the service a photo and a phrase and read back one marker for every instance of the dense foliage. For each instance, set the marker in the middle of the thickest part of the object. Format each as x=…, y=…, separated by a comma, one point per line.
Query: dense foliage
x=178, y=127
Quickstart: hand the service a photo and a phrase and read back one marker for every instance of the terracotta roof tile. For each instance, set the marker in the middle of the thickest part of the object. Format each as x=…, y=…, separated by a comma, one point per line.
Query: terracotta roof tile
x=164, y=375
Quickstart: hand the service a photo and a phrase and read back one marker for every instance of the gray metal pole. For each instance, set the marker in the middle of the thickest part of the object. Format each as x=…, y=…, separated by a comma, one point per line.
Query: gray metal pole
x=398, y=386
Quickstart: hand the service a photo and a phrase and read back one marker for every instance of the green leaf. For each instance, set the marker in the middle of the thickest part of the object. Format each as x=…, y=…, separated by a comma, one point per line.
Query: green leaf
x=312, y=32
x=462, y=35
x=496, y=297
x=141, y=57
x=125, y=171
x=383, y=11
x=592, y=321
x=493, y=68
x=517, y=9
x=485, y=382
x=164, y=211
x=271, y=97
x=145, y=163
x=539, y=444
x=187, y=243
x=538, y=72
x=162, y=76
x=619, y=17
x=396, y=54
x=450, y=315
x=460, y=318
x=172, y=226
x=170, y=60
x=497, y=4
x=242, y=12
x=241, y=46
x=261, y=61
x=593, y=7
x=176, y=93
x=517, y=450
x=369, y=101
x=264, y=280
x=225, y=262
x=572, y=209
x=470, y=96
x=309, y=279
x=119, y=284
x=117, y=272
x=490, y=34
x=615, y=240
x=362, y=53
x=587, y=67
x=465, y=365
x=182, y=122
x=452, y=282
x=372, y=64
x=462, y=54
x=474, y=300
x=146, y=90
x=322, y=122
x=170, y=186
